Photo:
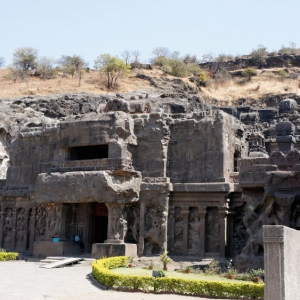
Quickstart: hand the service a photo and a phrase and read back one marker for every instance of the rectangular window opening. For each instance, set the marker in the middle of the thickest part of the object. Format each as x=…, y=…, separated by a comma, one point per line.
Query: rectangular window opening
x=88, y=152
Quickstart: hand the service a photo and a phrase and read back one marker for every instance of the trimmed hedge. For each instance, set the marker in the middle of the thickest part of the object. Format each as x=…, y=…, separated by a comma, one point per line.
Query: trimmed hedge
x=101, y=272
x=8, y=256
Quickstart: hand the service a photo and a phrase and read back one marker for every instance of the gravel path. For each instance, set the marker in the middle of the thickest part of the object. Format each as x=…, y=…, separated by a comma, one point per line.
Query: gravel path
x=20, y=280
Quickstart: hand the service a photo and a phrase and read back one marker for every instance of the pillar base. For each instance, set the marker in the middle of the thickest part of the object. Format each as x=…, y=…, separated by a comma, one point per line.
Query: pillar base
x=107, y=250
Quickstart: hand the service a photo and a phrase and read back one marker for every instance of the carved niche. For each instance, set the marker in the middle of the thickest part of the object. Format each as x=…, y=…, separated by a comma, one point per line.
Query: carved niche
x=194, y=232
x=20, y=227
x=240, y=235
x=40, y=223
x=178, y=232
x=155, y=227
x=133, y=219
x=212, y=230
x=8, y=227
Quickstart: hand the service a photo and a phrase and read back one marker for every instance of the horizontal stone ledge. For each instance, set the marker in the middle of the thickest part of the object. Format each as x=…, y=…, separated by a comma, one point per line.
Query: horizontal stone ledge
x=202, y=187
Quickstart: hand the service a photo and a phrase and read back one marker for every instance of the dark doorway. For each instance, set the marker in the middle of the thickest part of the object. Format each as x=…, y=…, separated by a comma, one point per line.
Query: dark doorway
x=100, y=223
x=89, y=152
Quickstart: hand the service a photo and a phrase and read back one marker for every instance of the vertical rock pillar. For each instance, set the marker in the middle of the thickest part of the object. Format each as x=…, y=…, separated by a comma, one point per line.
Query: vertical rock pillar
x=13, y=231
x=140, y=249
x=185, y=216
x=223, y=229
x=202, y=215
x=1, y=225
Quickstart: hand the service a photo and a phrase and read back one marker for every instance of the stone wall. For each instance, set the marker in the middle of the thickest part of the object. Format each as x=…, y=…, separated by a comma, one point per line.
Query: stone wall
x=282, y=254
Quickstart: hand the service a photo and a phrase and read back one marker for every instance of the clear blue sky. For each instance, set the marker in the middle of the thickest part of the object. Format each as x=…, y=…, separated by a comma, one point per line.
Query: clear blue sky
x=92, y=27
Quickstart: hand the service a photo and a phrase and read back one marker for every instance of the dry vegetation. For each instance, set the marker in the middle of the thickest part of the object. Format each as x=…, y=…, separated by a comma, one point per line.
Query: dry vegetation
x=267, y=82
x=233, y=90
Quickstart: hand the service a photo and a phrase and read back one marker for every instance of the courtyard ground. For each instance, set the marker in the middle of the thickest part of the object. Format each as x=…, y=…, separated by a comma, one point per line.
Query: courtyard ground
x=20, y=280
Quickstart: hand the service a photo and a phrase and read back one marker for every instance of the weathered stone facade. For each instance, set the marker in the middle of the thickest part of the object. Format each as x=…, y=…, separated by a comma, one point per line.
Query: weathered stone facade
x=197, y=183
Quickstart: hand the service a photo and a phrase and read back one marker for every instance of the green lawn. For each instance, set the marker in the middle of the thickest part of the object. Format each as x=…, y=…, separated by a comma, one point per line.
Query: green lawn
x=145, y=272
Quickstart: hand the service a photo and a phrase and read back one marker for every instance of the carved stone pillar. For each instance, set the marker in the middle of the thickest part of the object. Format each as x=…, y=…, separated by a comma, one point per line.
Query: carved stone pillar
x=185, y=217
x=25, y=230
x=1, y=226
x=117, y=225
x=142, y=230
x=171, y=227
x=223, y=229
x=202, y=215
x=13, y=230
x=63, y=220
x=32, y=228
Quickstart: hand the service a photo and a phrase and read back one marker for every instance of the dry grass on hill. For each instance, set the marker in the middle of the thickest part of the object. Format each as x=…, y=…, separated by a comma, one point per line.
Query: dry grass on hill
x=230, y=91
x=225, y=92
x=91, y=82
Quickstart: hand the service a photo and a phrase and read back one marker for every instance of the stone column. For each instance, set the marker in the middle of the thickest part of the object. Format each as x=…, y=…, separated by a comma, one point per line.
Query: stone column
x=63, y=220
x=1, y=226
x=185, y=217
x=171, y=227
x=116, y=224
x=141, y=245
x=223, y=229
x=13, y=230
x=25, y=230
x=202, y=215
x=32, y=229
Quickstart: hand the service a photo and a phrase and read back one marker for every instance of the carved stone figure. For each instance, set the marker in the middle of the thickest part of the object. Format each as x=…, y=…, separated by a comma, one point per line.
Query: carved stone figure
x=154, y=231
x=40, y=222
x=212, y=230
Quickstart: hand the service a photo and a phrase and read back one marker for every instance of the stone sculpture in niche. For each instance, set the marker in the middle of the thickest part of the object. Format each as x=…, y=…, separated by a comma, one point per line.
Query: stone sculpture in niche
x=132, y=213
x=240, y=235
x=194, y=232
x=212, y=230
x=118, y=223
x=20, y=228
x=53, y=219
x=8, y=220
x=178, y=232
x=154, y=231
x=40, y=222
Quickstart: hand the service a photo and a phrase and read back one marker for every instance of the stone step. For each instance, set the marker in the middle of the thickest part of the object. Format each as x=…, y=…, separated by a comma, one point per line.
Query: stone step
x=61, y=262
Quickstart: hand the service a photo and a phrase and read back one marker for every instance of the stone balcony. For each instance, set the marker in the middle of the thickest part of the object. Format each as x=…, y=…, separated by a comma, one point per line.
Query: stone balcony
x=108, y=164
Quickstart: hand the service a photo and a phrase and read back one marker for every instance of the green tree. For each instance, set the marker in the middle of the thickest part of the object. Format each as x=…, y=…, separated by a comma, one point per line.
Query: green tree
x=259, y=55
x=45, y=66
x=25, y=58
x=73, y=65
x=113, y=68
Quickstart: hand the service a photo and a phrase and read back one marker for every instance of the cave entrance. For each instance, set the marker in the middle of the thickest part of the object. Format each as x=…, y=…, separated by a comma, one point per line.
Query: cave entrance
x=88, y=152
x=100, y=223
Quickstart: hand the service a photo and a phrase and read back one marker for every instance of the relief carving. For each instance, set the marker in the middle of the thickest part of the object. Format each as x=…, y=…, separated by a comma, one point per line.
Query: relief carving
x=21, y=221
x=212, y=229
x=155, y=224
x=53, y=220
x=133, y=217
x=40, y=222
x=194, y=232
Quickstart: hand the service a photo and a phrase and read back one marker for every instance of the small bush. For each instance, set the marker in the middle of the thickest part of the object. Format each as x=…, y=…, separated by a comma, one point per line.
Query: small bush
x=249, y=72
x=4, y=256
x=282, y=73
x=202, y=78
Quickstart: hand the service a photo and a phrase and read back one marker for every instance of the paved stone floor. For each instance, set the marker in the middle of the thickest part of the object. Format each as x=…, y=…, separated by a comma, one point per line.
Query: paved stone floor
x=20, y=280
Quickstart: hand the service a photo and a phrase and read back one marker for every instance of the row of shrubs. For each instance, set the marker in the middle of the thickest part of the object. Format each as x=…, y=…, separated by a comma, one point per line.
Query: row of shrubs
x=101, y=272
x=8, y=255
